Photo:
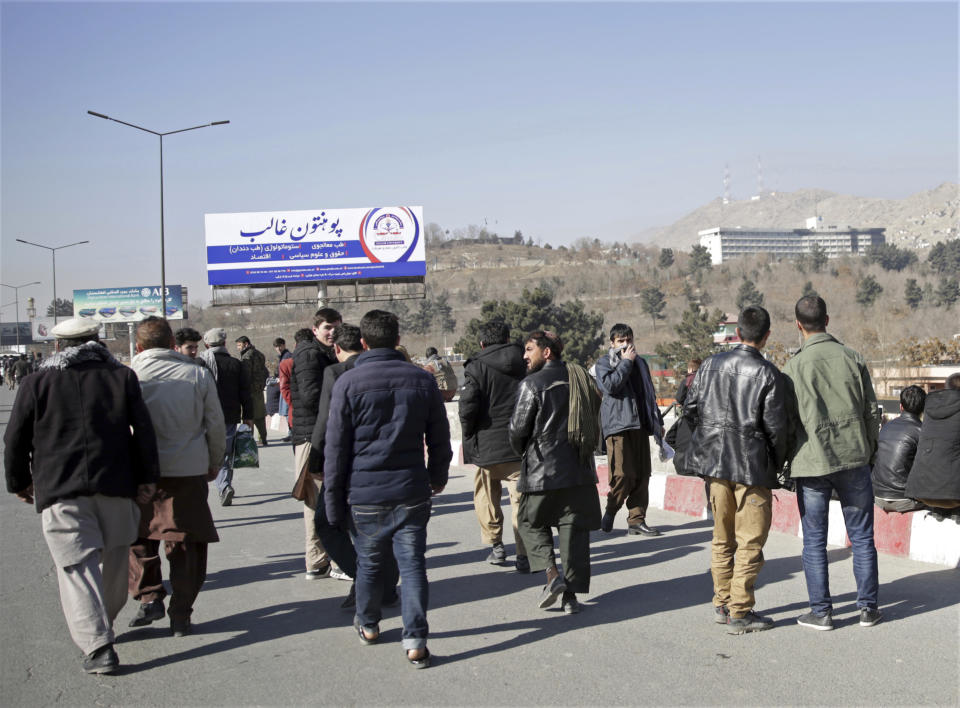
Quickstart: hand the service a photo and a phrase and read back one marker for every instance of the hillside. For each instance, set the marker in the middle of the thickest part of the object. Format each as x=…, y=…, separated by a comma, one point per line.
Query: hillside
x=919, y=220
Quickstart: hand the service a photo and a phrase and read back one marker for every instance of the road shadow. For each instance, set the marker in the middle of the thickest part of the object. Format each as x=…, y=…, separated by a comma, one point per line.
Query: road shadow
x=252, y=520
x=283, y=567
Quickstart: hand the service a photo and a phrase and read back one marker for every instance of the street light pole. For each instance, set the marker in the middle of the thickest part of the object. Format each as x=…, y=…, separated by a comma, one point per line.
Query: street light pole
x=163, y=260
x=53, y=251
x=16, y=300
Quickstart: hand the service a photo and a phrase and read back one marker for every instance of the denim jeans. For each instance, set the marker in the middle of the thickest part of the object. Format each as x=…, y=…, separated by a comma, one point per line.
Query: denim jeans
x=855, y=490
x=382, y=533
x=225, y=476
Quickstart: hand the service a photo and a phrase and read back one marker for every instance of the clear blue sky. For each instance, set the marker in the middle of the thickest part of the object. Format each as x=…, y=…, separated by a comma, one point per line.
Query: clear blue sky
x=562, y=120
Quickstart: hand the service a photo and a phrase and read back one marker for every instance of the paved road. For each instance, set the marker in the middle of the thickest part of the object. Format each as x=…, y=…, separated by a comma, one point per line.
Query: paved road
x=265, y=636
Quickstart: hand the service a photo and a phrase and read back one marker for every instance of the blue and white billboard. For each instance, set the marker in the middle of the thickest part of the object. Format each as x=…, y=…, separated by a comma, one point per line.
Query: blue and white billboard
x=131, y=304
x=306, y=246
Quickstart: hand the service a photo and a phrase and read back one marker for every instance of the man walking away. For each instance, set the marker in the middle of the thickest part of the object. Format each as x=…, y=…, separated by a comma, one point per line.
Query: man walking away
x=443, y=373
x=280, y=347
x=629, y=415
x=80, y=443
x=256, y=364
x=835, y=429
x=491, y=382
x=233, y=390
x=310, y=358
x=188, y=421
x=736, y=406
x=896, y=449
x=554, y=428
x=382, y=412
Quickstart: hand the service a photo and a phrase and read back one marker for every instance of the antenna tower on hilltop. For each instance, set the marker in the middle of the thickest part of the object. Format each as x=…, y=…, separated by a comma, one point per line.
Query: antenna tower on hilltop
x=759, y=177
x=726, y=183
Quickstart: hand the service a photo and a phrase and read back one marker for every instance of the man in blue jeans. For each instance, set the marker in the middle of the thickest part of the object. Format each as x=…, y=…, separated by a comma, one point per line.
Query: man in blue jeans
x=835, y=424
x=375, y=479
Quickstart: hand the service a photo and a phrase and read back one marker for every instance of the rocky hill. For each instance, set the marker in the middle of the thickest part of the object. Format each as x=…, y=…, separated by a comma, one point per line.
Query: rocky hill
x=918, y=221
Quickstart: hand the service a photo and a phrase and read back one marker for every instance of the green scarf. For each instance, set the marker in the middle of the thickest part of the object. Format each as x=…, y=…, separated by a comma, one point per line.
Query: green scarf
x=583, y=420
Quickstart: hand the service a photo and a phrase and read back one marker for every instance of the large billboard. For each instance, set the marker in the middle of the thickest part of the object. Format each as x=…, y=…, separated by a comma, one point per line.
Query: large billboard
x=318, y=245
x=13, y=333
x=131, y=304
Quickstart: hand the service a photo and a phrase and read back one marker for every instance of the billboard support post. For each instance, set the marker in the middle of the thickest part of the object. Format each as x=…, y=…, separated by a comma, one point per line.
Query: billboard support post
x=322, y=295
x=130, y=332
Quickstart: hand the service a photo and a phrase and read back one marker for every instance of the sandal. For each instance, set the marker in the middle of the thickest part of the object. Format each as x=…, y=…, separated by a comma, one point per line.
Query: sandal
x=421, y=663
x=364, y=637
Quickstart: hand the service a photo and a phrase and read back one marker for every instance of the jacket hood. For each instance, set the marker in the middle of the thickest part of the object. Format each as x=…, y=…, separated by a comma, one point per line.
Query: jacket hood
x=942, y=404
x=88, y=351
x=505, y=358
x=382, y=354
x=149, y=355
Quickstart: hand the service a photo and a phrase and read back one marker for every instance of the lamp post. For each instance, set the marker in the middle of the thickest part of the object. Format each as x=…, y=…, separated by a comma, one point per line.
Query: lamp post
x=53, y=252
x=16, y=300
x=163, y=263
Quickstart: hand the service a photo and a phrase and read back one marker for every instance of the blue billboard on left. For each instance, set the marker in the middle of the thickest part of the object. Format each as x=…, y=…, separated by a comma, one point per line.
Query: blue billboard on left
x=128, y=304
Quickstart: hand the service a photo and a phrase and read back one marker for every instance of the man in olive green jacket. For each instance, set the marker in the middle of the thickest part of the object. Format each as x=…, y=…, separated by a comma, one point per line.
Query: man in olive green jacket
x=835, y=428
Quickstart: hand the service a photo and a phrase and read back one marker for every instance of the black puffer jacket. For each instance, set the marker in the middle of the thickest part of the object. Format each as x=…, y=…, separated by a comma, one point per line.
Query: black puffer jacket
x=936, y=468
x=233, y=389
x=896, y=449
x=538, y=432
x=306, y=381
x=736, y=407
x=491, y=381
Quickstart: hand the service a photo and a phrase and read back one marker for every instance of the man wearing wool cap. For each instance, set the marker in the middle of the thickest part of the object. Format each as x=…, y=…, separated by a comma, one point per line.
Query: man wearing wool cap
x=80, y=445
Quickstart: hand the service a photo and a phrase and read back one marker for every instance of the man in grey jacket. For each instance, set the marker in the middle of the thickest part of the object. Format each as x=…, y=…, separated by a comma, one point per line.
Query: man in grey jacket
x=188, y=421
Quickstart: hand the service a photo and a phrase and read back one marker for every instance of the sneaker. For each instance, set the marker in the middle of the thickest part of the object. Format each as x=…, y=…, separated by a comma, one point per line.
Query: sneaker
x=102, y=660
x=642, y=530
x=498, y=555
x=523, y=564
x=869, y=616
x=226, y=496
x=148, y=613
x=316, y=574
x=551, y=591
x=569, y=603
x=721, y=615
x=750, y=622
x=822, y=622
x=606, y=523
x=338, y=574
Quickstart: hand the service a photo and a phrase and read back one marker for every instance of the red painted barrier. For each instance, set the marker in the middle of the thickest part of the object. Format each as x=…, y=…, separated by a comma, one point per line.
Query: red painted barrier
x=786, y=515
x=603, y=477
x=684, y=494
x=891, y=532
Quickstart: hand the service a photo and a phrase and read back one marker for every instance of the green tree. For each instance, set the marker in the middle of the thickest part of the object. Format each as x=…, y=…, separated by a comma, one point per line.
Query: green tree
x=817, y=260
x=422, y=319
x=666, y=258
x=948, y=292
x=64, y=307
x=808, y=290
x=912, y=294
x=700, y=259
x=890, y=257
x=443, y=318
x=695, y=331
x=652, y=301
x=748, y=295
x=868, y=290
x=944, y=258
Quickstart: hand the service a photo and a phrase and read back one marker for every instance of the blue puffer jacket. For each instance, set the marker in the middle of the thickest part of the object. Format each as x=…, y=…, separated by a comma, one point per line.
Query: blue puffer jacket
x=381, y=411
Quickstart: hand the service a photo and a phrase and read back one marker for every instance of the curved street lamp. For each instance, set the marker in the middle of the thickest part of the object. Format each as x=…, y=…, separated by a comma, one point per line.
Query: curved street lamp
x=163, y=264
x=53, y=252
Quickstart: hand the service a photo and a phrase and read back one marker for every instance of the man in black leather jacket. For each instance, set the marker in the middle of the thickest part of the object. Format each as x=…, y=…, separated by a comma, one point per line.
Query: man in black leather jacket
x=558, y=488
x=896, y=448
x=736, y=406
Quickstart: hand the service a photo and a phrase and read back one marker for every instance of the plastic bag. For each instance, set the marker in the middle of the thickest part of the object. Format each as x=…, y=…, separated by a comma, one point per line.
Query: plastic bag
x=245, y=452
x=276, y=422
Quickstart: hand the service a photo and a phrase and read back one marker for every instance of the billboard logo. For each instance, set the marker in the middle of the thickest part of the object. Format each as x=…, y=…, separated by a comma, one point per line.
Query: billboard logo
x=389, y=235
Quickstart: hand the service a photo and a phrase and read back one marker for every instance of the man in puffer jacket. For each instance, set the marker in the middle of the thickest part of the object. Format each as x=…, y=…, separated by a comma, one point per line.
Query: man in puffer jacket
x=935, y=476
x=896, y=448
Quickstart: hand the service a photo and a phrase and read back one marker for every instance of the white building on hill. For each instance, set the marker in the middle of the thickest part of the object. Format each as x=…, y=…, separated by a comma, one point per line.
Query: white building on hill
x=725, y=243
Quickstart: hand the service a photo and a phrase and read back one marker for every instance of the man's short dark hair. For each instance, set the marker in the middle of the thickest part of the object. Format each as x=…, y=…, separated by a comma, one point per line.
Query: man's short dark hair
x=242, y=339
x=187, y=334
x=811, y=313
x=280, y=342
x=154, y=333
x=544, y=339
x=303, y=335
x=431, y=351
x=912, y=399
x=620, y=330
x=326, y=314
x=494, y=332
x=953, y=381
x=380, y=329
x=347, y=337
x=754, y=323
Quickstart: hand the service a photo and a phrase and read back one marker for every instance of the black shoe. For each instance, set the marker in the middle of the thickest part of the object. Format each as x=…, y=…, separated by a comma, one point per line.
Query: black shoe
x=606, y=523
x=869, y=616
x=286, y=438
x=811, y=619
x=102, y=660
x=523, y=564
x=263, y=443
x=551, y=591
x=181, y=628
x=226, y=496
x=569, y=603
x=750, y=622
x=642, y=530
x=498, y=555
x=148, y=613
x=721, y=615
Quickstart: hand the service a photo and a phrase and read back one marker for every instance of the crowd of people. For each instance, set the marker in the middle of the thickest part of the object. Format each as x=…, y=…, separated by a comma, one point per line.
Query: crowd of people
x=118, y=459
